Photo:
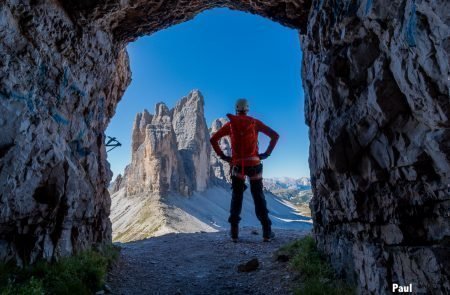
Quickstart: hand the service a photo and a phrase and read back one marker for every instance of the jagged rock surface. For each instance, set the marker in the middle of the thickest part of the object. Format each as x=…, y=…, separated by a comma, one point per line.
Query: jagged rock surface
x=155, y=164
x=377, y=103
x=376, y=84
x=170, y=156
x=59, y=85
x=220, y=169
x=116, y=184
x=191, y=131
x=170, y=150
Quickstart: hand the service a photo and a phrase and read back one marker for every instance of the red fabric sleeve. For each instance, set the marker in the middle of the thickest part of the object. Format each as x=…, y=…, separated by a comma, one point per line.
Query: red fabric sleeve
x=223, y=131
x=261, y=127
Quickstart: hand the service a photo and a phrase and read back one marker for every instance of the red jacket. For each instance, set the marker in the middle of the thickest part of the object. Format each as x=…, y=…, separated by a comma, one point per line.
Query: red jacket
x=244, y=153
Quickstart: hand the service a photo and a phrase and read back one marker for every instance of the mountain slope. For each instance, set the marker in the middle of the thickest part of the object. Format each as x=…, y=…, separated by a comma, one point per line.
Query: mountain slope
x=145, y=216
x=296, y=190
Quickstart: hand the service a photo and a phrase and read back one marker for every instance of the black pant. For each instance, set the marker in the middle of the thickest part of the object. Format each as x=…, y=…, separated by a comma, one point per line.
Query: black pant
x=256, y=188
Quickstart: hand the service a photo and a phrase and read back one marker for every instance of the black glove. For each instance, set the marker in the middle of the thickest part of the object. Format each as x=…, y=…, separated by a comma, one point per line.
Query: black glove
x=263, y=156
x=225, y=158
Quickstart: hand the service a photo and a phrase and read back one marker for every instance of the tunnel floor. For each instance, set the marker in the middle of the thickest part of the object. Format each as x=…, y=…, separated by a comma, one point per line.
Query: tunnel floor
x=203, y=263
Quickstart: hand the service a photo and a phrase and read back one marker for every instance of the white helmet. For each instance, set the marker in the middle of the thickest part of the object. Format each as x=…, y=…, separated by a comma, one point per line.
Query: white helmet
x=242, y=105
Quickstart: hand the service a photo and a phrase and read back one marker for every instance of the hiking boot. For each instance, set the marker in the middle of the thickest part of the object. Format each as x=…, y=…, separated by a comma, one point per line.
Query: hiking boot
x=234, y=233
x=268, y=235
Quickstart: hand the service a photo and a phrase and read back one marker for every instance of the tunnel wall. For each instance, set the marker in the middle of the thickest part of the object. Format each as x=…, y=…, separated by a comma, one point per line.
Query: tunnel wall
x=59, y=86
x=378, y=106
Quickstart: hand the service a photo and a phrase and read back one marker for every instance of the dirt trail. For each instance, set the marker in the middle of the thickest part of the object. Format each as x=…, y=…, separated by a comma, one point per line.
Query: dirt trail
x=202, y=263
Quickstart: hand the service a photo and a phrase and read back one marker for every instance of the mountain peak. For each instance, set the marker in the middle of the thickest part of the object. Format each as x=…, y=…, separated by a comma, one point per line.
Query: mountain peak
x=217, y=124
x=170, y=149
x=161, y=112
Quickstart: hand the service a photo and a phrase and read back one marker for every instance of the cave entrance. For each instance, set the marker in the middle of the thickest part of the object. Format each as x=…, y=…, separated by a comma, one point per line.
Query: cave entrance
x=250, y=57
x=375, y=75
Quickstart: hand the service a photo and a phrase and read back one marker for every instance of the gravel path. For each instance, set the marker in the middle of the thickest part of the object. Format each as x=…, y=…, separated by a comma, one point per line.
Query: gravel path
x=203, y=263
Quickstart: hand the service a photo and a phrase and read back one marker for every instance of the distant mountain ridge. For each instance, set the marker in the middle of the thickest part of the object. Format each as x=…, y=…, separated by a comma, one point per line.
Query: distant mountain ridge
x=301, y=183
x=295, y=190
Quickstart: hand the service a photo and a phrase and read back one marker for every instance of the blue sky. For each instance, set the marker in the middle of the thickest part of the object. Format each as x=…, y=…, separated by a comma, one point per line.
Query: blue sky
x=226, y=55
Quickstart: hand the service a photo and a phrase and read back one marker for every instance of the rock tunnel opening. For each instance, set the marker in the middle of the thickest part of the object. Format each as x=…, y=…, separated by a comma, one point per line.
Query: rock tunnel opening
x=250, y=57
x=64, y=71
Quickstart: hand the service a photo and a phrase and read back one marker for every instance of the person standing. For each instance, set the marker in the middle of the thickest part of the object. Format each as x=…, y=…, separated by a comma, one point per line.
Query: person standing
x=245, y=160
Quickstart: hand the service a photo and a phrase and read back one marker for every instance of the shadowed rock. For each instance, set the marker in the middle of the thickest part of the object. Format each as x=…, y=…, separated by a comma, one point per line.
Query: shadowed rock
x=249, y=266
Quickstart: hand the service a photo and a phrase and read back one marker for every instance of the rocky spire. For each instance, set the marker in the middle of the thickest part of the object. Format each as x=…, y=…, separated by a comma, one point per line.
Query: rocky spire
x=220, y=169
x=155, y=165
x=170, y=149
x=138, y=134
x=189, y=125
x=162, y=113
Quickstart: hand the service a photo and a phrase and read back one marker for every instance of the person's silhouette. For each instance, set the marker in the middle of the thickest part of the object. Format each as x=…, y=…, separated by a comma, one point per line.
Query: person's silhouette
x=246, y=161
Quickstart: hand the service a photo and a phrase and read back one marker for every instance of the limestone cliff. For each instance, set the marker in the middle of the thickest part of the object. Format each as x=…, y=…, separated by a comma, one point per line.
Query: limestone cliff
x=170, y=150
x=155, y=164
x=191, y=132
x=170, y=156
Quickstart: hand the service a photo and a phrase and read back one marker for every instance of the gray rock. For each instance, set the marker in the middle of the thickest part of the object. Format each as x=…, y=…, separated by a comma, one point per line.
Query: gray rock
x=377, y=103
x=154, y=163
x=220, y=169
x=116, y=184
x=249, y=266
x=170, y=150
x=191, y=131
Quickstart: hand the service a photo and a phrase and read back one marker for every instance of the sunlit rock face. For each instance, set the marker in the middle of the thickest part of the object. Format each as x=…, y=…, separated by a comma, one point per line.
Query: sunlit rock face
x=154, y=157
x=170, y=150
x=376, y=84
x=191, y=133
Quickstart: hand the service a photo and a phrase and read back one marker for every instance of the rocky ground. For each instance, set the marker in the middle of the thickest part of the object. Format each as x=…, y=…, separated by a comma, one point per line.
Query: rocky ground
x=203, y=263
